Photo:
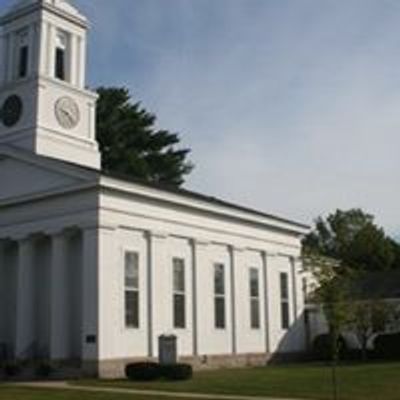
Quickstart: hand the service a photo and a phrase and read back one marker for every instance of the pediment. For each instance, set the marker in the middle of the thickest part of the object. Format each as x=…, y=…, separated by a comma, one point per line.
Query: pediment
x=22, y=175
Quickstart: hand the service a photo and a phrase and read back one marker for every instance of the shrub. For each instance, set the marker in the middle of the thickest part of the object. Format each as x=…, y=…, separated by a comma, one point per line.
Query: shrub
x=177, y=372
x=12, y=369
x=143, y=371
x=322, y=347
x=387, y=346
x=44, y=370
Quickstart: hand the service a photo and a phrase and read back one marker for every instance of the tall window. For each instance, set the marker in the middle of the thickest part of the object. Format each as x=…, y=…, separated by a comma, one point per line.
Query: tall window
x=285, y=319
x=23, y=55
x=254, y=298
x=131, y=289
x=219, y=296
x=179, y=293
x=61, y=52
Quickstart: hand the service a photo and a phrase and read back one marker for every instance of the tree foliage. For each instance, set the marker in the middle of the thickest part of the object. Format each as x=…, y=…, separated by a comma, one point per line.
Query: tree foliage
x=132, y=145
x=369, y=317
x=332, y=293
x=353, y=238
x=340, y=293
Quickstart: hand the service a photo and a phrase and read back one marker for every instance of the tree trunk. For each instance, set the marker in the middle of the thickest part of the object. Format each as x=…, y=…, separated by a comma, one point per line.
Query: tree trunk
x=335, y=361
x=364, y=353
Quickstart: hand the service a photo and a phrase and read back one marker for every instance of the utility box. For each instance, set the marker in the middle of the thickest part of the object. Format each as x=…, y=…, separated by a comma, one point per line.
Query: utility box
x=167, y=349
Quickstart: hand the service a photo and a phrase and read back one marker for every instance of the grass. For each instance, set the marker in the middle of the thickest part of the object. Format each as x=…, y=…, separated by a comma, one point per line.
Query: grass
x=311, y=381
x=14, y=393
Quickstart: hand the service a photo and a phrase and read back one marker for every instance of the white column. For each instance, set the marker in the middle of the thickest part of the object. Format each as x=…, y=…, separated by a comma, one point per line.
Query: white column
x=200, y=330
x=266, y=302
x=59, y=315
x=149, y=289
x=50, y=49
x=109, y=292
x=42, y=44
x=299, y=327
x=25, y=313
x=295, y=289
x=156, y=300
x=73, y=57
x=198, y=247
x=99, y=295
x=82, y=63
x=235, y=258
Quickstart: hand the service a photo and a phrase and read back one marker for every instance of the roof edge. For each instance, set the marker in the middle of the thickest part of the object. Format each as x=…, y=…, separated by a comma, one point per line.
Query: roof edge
x=301, y=228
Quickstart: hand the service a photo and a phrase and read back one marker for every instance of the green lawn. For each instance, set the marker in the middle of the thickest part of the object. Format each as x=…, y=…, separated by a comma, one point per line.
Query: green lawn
x=356, y=382
x=12, y=393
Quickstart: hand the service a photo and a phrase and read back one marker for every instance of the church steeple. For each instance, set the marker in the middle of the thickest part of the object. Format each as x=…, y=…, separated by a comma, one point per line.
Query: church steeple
x=44, y=105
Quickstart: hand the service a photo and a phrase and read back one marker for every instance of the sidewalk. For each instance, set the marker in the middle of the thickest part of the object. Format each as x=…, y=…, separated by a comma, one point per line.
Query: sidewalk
x=175, y=395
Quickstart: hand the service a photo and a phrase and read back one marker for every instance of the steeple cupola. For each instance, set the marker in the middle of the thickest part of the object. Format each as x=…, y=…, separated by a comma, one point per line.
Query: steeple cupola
x=44, y=106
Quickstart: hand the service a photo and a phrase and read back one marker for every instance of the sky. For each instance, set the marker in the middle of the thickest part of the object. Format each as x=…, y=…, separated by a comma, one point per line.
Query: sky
x=289, y=106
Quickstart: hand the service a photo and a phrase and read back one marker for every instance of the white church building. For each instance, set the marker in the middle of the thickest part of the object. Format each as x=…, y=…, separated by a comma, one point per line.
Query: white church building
x=93, y=268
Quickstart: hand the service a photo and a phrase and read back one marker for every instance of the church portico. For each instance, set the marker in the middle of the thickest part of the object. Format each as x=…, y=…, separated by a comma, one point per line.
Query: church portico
x=40, y=295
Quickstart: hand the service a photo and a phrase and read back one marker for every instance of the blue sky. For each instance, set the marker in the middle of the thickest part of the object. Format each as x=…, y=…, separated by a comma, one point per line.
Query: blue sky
x=289, y=106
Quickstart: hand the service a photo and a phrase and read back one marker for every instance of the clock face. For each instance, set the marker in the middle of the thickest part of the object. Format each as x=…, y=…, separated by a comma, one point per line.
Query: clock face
x=67, y=112
x=11, y=111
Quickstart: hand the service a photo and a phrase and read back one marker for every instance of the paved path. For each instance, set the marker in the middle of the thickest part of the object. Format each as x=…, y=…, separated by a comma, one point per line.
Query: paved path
x=175, y=395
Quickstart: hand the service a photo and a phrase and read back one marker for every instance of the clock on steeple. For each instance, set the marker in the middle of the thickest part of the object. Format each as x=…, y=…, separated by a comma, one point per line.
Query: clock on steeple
x=44, y=105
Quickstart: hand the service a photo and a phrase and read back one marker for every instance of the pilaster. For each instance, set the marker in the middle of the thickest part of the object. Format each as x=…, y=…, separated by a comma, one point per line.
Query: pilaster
x=201, y=259
x=236, y=261
x=265, y=292
x=98, y=310
x=108, y=291
x=74, y=59
x=298, y=295
x=51, y=41
x=198, y=249
x=81, y=65
x=157, y=257
x=43, y=48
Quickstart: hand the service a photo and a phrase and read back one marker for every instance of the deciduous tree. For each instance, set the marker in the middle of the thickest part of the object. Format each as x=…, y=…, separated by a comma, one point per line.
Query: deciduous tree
x=369, y=317
x=353, y=238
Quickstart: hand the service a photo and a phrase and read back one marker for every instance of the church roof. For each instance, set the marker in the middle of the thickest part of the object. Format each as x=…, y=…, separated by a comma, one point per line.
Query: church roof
x=203, y=197
x=189, y=194
x=63, y=7
x=185, y=193
x=178, y=196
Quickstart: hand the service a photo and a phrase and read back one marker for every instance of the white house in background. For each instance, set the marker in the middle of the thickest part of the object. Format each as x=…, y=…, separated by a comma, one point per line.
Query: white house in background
x=94, y=268
x=378, y=286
